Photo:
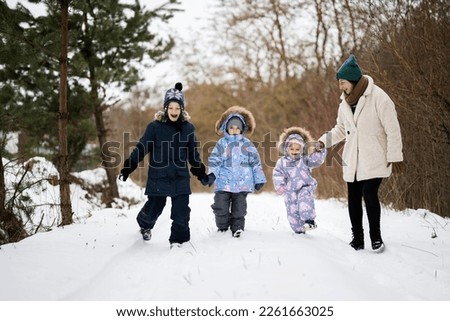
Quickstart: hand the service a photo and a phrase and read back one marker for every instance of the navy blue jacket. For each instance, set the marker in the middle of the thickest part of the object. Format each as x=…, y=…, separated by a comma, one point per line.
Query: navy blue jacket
x=170, y=147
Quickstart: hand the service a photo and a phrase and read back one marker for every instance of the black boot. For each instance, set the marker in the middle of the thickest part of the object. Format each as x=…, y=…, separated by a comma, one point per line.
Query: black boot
x=146, y=234
x=358, y=240
x=377, y=241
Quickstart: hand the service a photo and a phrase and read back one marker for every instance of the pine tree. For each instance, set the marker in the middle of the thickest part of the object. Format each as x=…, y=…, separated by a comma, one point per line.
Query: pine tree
x=107, y=38
x=108, y=42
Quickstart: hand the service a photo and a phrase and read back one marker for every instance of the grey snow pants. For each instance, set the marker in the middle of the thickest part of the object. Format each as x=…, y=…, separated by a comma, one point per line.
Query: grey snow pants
x=230, y=210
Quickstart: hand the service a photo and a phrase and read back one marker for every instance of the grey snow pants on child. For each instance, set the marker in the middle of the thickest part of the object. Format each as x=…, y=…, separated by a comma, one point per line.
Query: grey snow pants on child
x=230, y=210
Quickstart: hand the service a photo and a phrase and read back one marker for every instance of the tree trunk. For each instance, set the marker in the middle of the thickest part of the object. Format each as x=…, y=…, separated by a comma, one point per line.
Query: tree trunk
x=113, y=191
x=64, y=181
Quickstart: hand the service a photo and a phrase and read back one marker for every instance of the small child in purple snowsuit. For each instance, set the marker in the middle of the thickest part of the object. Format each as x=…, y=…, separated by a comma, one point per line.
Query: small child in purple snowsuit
x=292, y=176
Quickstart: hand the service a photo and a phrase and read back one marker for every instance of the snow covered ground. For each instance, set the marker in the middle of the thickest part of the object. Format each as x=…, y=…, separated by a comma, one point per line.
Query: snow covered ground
x=103, y=258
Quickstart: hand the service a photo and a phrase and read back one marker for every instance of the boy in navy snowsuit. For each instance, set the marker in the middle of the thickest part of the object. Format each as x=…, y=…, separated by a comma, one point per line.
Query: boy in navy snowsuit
x=170, y=140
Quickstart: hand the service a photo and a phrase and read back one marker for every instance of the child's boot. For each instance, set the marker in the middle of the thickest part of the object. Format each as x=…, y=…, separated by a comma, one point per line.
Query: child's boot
x=146, y=234
x=310, y=225
x=237, y=233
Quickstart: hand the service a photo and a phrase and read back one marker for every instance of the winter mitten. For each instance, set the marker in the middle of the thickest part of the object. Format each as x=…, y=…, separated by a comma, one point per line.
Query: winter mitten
x=209, y=181
x=259, y=186
x=199, y=172
x=128, y=168
x=319, y=146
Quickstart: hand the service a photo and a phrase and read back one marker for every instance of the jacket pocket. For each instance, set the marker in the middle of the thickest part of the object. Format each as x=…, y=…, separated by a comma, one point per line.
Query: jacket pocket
x=373, y=154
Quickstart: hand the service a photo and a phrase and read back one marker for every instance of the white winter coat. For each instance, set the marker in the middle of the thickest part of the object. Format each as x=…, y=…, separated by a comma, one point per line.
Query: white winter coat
x=372, y=135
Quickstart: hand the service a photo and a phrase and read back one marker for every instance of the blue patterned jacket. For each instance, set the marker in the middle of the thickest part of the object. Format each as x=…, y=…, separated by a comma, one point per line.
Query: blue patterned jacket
x=235, y=162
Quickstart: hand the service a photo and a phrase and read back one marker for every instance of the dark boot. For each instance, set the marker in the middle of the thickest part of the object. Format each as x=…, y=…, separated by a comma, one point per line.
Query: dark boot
x=358, y=240
x=377, y=241
x=146, y=234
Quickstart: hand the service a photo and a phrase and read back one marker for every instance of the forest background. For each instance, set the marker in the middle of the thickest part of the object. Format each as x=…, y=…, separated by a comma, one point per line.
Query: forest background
x=278, y=58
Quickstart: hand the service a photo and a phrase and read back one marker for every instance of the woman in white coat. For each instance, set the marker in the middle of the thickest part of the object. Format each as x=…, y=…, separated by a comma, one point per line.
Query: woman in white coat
x=367, y=121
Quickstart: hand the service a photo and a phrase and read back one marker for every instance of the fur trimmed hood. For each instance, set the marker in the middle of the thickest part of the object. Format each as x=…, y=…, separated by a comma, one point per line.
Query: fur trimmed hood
x=161, y=116
x=293, y=133
x=241, y=112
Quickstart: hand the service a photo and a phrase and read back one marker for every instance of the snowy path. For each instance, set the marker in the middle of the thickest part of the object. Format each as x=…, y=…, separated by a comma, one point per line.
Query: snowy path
x=104, y=258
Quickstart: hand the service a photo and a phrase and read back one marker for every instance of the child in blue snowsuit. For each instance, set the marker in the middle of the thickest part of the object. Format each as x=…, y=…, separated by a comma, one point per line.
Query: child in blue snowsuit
x=235, y=167
x=292, y=176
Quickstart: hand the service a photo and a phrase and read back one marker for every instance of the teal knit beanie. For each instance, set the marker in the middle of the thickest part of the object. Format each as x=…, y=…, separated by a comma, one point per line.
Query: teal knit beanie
x=349, y=70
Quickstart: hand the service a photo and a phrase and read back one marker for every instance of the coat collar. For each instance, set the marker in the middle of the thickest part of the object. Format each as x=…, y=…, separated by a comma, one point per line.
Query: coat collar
x=360, y=105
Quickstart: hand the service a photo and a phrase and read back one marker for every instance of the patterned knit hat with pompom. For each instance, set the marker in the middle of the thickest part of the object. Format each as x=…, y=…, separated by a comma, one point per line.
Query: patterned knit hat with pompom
x=176, y=95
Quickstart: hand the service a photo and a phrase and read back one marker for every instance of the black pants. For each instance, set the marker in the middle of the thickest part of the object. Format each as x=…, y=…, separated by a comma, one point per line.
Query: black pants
x=230, y=210
x=180, y=215
x=367, y=189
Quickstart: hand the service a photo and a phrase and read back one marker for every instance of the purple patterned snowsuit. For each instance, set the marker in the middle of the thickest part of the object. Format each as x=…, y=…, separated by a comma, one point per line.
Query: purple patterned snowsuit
x=292, y=178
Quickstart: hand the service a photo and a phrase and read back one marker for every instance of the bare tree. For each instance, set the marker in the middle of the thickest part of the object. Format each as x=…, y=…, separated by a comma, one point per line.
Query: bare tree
x=288, y=79
x=408, y=54
x=262, y=40
x=321, y=36
x=340, y=29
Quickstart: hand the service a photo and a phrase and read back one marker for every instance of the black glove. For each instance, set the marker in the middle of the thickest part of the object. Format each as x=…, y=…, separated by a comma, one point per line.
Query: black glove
x=199, y=172
x=128, y=168
x=259, y=186
x=209, y=180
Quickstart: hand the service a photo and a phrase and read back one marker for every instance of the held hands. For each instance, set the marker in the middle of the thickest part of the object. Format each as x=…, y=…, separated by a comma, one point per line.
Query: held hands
x=319, y=146
x=199, y=172
x=209, y=180
x=128, y=168
x=314, y=147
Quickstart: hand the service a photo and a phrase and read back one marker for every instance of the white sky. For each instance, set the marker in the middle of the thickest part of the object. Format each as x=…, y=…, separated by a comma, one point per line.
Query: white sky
x=184, y=26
